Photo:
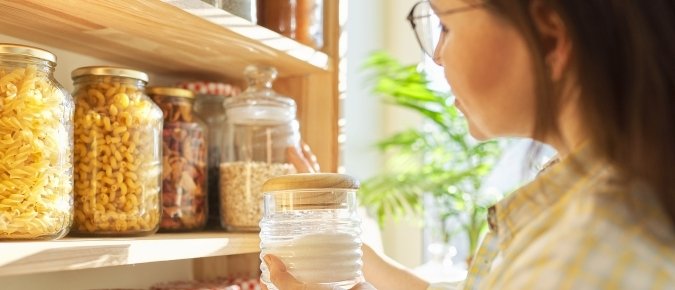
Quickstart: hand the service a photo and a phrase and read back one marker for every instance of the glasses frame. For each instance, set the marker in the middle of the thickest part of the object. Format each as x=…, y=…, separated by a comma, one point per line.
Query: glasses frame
x=412, y=19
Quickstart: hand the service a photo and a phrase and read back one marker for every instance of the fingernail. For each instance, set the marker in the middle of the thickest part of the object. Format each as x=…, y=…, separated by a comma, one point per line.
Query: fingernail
x=268, y=261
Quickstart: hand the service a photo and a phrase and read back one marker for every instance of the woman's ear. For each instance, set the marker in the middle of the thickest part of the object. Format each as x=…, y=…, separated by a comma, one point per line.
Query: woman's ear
x=555, y=38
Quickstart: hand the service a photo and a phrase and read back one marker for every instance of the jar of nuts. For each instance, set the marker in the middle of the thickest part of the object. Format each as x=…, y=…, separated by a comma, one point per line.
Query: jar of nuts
x=36, y=125
x=209, y=98
x=184, y=159
x=117, y=154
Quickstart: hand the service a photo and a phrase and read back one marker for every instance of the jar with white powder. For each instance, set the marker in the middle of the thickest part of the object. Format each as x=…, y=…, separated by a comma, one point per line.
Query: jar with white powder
x=310, y=223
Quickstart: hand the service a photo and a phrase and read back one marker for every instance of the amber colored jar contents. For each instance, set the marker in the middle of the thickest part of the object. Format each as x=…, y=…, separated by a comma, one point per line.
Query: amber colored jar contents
x=301, y=20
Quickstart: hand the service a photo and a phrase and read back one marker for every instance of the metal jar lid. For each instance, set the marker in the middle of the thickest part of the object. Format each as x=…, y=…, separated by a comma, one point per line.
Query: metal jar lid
x=170, y=92
x=109, y=71
x=8, y=48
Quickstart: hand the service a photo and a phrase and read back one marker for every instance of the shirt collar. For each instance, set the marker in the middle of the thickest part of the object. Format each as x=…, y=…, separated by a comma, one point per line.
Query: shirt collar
x=556, y=179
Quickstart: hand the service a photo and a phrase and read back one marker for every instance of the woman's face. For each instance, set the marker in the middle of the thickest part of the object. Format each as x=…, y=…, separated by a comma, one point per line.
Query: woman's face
x=488, y=66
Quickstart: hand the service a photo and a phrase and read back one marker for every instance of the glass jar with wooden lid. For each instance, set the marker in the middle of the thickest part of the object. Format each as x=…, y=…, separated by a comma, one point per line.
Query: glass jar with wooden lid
x=310, y=223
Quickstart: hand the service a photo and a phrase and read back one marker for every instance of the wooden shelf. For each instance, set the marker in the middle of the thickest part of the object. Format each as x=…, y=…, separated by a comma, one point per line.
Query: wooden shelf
x=173, y=37
x=82, y=253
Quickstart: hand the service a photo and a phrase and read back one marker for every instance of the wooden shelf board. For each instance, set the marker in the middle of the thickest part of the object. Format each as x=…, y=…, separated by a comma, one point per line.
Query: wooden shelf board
x=18, y=258
x=173, y=37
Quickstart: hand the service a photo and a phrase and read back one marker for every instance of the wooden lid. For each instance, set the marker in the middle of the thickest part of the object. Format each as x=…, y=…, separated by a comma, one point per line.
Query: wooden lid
x=311, y=181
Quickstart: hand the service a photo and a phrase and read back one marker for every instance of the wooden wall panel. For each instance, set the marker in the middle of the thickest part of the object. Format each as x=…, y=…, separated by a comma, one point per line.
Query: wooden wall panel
x=244, y=265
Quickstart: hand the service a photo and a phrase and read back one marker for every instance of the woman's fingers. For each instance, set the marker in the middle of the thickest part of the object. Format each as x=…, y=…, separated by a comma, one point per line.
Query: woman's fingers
x=285, y=281
x=363, y=286
x=279, y=276
x=298, y=160
x=263, y=286
x=310, y=157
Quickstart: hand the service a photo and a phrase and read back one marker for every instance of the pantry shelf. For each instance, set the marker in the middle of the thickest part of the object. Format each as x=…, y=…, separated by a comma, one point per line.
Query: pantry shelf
x=77, y=253
x=172, y=37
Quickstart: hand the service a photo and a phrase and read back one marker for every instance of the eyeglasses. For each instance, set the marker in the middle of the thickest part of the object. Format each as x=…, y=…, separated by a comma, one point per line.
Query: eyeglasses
x=427, y=25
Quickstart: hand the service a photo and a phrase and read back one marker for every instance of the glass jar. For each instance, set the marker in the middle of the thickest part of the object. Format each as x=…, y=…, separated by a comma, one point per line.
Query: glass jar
x=242, y=8
x=184, y=157
x=259, y=130
x=209, y=107
x=311, y=224
x=117, y=154
x=36, y=126
x=301, y=20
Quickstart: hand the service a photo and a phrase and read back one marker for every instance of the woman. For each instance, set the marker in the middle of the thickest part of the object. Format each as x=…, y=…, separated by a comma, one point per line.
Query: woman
x=595, y=79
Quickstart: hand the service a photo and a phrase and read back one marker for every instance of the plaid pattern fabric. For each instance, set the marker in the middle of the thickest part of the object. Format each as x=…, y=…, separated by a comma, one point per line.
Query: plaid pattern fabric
x=577, y=226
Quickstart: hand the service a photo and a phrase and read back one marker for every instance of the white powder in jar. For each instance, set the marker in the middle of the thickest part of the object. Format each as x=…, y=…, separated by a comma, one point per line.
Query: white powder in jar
x=319, y=258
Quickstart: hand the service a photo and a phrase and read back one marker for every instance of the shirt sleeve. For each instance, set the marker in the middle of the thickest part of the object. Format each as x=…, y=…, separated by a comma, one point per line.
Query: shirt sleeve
x=447, y=286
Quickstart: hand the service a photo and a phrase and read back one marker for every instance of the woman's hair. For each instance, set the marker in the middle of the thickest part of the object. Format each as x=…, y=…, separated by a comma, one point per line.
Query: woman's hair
x=624, y=57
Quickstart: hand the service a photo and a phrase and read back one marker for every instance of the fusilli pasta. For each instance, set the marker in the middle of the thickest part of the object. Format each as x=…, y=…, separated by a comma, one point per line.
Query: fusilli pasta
x=35, y=156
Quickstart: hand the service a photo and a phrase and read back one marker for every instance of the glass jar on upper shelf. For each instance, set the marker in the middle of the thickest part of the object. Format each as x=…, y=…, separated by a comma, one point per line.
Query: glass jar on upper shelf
x=259, y=132
x=36, y=126
x=118, y=154
x=311, y=224
x=301, y=20
x=209, y=98
x=184, y=157
x=242, y=8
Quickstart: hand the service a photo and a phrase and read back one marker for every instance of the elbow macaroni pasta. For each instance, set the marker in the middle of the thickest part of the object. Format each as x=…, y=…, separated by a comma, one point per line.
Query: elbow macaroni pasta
x=35, y=148
x=118, y=161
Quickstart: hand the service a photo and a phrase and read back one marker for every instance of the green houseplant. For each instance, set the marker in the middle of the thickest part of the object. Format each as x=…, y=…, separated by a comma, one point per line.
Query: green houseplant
x=439, y=159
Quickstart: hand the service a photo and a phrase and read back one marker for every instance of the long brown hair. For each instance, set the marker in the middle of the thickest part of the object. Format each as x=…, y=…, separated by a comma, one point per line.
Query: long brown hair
x=624, y=56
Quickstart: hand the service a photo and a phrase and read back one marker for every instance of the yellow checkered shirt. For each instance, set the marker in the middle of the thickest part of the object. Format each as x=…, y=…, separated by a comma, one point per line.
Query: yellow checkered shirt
x=577, y=226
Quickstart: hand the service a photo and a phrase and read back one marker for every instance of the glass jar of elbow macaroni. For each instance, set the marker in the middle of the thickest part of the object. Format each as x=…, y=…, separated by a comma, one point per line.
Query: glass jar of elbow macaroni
x=118, y=157
x=36, y=123
x=184, y=158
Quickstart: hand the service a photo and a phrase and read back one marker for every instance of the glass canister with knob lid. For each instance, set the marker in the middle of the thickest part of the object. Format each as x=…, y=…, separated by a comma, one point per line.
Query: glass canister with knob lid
x=260, y=130
x=310, y=223
x=36, y=126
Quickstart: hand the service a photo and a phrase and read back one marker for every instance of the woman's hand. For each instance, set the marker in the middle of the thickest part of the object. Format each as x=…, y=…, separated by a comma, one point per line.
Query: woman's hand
x=303, y=160
x=285, y=281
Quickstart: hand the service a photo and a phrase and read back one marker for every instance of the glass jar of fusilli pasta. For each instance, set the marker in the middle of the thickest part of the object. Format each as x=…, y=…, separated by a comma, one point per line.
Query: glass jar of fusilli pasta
x=118, y=154
x=36, y=125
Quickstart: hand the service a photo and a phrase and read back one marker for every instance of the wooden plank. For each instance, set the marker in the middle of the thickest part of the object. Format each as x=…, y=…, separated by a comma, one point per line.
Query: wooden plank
x=335, y=12
x=173, y=37
x=234, y=266
x=77, y=253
